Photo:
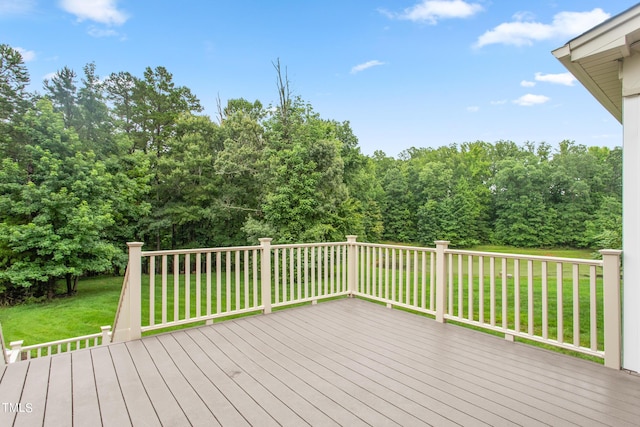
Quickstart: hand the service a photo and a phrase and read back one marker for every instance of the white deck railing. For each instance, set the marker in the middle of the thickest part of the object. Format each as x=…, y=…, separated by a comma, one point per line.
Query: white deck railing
x=564, y=302
x=17, y=351
x=556, y=301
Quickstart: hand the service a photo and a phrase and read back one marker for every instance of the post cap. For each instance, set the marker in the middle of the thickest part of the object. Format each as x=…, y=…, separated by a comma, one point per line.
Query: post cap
x=610, y=251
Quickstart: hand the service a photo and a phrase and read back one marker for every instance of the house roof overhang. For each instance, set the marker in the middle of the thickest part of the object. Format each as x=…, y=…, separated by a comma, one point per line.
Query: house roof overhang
x=595, y=57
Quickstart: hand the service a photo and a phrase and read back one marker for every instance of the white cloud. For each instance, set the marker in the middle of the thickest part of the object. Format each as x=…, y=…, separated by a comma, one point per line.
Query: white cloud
x=529, y=99
x=473, y=109
x=524, y=32
x=102, y=11
x=499, y=102
x=16, y=7
x=527, y=83
x=101, y=32
x=365, y=65
x=27, y=55
x=49, y=76
x=566, y=79
x=432, y=11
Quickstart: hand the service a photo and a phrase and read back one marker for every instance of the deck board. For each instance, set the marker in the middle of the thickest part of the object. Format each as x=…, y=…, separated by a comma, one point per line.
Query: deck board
x=86, y=409
x=113, y=409
x=583, y=400
x=59, y=395
x=346, y=362
x=11, y=390
x=37, y=379
x=139, y=406
x=167, y=408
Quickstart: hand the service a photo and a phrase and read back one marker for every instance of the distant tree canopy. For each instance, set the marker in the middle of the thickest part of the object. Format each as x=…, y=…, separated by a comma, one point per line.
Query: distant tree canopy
x=94, y=163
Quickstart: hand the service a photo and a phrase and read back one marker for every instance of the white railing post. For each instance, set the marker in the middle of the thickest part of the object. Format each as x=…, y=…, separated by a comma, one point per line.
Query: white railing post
x=135, y=288
x=351, y=265
x=129, y=318
x=265, y=273
x=441, y=279
x=612, y=312
x=106, y=334
x=5, y=355
x=16, y=350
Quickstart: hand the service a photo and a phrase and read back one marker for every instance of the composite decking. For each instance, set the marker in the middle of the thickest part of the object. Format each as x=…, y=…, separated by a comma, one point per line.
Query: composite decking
x=347, y=362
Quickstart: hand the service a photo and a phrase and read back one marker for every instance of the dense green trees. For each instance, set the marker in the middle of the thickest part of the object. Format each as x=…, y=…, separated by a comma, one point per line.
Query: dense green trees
x=94, y=163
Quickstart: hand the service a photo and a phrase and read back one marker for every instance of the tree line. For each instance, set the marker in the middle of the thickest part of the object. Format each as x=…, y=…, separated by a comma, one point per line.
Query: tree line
x=92, y=163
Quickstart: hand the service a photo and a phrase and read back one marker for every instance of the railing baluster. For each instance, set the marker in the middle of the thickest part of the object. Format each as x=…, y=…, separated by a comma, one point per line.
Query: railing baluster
x=559, y=303
x=313, y=272
x=284, y=275
x=504, y=302
x=470, y=315
x=306, y=273
x=176, y=287
x=450, y=284
x=492, y=290
x=530, y=296
x=373, y=271
x=164, y=289
x=246, y=278
x=393, y=274
x=218, y=282
x=460, y=287
x=415, y=278
x=481, y=289
x=326, y=270
x=152, y=290
x=333, y=270
x=593, y=308
x=208, y=269
x=407, y=295
x=299, y=275
x=228, y=280
x=545, y=304
x=367, y=276
x=387, y=271
x=187, y=286
x=401, y=276
x=198, y=284
x=516, y=293
x=237, y=261
x=255, y=277
x=423, y=290
x=576, y=305
x=276, y=263
x=432, y=282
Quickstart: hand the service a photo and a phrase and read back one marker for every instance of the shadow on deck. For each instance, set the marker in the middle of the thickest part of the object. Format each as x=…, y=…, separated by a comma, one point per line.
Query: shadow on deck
x=346, y=362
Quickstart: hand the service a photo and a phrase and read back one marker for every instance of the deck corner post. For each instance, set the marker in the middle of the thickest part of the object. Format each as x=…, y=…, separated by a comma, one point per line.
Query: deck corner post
x=106, y=334
x=265, y=273
x=351, y=264
x=15, y=351
x=612, y=311
x=134, y=288
x=441, y=279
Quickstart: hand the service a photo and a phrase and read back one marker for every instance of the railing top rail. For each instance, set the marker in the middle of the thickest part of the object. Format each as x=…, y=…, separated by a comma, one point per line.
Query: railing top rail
x=64, y=341
x=403, y=247
x=584, y=261
x=307, y=245
x=198, y=250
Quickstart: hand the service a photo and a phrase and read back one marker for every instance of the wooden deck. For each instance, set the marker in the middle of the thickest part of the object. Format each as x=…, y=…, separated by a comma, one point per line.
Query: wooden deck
x=346, y=362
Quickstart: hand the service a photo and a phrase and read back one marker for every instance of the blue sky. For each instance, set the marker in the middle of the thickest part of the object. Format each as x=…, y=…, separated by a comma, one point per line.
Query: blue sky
x=410, y=73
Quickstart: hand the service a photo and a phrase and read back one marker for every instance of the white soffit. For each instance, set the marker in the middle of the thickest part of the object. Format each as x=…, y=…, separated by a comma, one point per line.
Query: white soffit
x=594, y=57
